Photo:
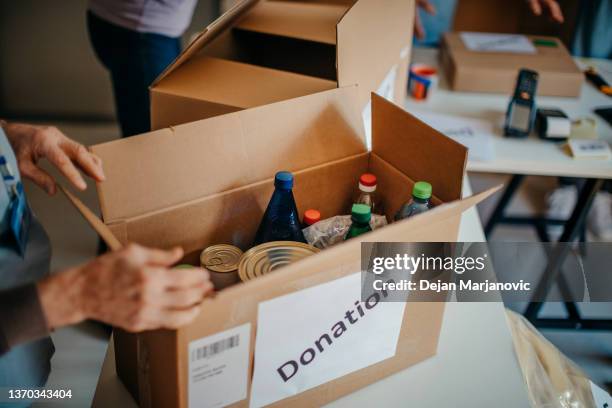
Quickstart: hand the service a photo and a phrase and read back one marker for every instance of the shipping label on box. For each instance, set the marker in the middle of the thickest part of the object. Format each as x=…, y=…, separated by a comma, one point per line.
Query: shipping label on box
x=319, y=334
x=218, y=368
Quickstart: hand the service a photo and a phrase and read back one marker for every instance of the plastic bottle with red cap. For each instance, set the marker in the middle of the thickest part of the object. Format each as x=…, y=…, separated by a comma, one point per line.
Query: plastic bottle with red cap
x=367, y=192
x=311, y=217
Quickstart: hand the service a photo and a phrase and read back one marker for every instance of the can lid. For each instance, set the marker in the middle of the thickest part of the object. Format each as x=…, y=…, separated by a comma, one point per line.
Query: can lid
x=221, y=258
x=312, y=217
x=284, y=180
x=368, y=180
x=361, y=213
x=267, y=257
x=422, y=190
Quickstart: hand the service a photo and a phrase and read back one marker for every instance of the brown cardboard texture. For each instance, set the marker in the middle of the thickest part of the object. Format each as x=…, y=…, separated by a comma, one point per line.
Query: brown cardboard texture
x=262, y=52
x=208, y=182
x=473, y=71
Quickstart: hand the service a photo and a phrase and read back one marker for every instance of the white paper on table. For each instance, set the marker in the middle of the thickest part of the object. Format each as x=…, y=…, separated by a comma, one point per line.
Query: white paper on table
x=289, y=325
x=475, y=134
x=489, y=42
x=601, y=398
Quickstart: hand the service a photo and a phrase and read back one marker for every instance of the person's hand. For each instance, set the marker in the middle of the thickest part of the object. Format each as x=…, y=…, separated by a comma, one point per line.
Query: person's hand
x=550, y=6
x=32, y=143
x=419, y=31
x=132, y=288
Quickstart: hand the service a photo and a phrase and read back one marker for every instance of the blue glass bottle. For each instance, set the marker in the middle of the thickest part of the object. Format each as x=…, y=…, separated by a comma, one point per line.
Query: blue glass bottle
x=281, y=221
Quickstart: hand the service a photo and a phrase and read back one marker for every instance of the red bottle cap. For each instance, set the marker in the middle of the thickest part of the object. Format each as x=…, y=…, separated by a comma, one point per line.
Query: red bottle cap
x=368, y=180
x=312, y=217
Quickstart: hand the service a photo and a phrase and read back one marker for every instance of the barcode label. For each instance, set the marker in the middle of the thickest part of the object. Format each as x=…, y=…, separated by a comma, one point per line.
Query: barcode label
x=219, y=368
x=215, y=348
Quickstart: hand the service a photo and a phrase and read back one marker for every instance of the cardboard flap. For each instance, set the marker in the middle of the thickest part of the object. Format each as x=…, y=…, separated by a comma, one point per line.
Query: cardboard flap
x=207, y=78
x=207, y=35
x=311, y=22
x=426, y=154
x=161, y=169
x=383, y=33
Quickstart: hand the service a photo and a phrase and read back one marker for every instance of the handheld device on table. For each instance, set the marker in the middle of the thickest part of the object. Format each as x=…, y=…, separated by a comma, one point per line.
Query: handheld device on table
x=522, y=108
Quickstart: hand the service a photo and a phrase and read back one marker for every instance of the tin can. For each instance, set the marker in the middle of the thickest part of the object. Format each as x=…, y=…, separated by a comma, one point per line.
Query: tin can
x=221, y=262
x=267, y=257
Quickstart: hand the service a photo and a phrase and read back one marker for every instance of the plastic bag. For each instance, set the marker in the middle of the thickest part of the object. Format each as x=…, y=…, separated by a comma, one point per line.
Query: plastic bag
x=332, y=230
x=553, y=381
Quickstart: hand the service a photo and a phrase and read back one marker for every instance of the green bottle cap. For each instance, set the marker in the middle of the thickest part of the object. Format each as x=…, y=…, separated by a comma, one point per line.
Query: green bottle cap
x=422, y=190
x=361, y=213
x=184, y=266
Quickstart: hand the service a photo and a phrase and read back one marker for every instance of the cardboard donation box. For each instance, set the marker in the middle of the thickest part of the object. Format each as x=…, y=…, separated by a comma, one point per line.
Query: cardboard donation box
x=496, y=70
x=261, y=52
x=279, y=339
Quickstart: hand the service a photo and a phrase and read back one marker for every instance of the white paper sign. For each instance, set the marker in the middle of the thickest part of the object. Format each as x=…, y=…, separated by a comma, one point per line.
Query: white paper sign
x=475, y=134
x=602, y=399
x=387, y=91
x=318, y=334
x=218, y=368
x=487, y=42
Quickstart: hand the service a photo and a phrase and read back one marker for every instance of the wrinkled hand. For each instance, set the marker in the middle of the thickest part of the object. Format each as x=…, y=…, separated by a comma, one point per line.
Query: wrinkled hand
x=135, y=290
x=132, y=288
x=32, y=143
x=418, y=26
x=550, y=6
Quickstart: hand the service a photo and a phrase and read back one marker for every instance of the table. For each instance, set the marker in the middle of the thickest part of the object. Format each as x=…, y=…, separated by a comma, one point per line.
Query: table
x=475, y=365
x=530, y=156
x=533, y=156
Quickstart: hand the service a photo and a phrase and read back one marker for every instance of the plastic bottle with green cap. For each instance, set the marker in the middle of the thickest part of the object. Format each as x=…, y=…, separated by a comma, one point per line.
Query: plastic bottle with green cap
x=360, y=217
x=421, y=193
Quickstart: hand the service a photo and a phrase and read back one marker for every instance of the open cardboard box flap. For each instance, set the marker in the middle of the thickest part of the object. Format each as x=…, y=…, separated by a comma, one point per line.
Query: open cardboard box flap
x=305, y=21
x=363, y=28
x=207, y=78
x=207, y=35
x=176, y=165
x=181, y=164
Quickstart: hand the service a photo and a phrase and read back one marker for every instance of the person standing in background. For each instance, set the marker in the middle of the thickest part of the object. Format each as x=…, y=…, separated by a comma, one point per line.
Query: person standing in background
x=136, y=40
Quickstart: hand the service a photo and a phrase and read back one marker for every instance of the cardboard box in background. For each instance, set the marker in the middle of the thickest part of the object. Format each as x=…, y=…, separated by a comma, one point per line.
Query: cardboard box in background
x=514, y=17
x=208, y=182
x=473, y=71
x=261, y=52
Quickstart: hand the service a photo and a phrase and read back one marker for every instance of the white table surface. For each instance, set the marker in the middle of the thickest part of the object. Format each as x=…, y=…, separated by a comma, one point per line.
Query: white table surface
x=531, y=156
x=475, y=365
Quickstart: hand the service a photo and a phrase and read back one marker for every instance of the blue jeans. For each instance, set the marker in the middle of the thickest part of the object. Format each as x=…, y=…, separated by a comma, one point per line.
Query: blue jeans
x=133, y=60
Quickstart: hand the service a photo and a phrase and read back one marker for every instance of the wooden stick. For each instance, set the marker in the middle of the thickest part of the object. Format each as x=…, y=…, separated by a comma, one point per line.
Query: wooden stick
x=97, y=224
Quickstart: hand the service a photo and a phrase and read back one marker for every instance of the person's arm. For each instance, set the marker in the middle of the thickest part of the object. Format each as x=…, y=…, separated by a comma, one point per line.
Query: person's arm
x=32, y=143
x=21, y=317
x=133, y=289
